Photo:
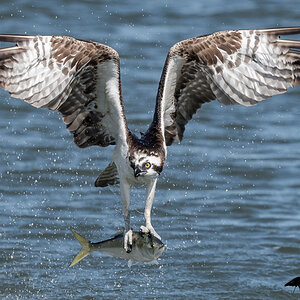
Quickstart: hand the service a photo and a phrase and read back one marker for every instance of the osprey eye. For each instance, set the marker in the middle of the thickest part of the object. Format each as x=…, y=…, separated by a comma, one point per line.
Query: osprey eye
x=147, y=165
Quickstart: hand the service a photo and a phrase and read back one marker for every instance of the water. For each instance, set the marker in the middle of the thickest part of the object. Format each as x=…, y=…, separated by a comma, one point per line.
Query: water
x=227, y=204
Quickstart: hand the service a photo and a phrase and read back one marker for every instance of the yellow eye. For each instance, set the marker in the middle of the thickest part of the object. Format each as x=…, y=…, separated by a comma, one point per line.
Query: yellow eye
x=147, y=165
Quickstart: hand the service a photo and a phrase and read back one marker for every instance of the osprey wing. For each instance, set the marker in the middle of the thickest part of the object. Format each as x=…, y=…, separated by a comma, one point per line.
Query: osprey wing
x=236, y=67
x=78, y=78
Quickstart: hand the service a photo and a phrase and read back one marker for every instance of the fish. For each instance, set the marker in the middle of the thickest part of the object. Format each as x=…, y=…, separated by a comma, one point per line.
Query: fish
x=145, y=247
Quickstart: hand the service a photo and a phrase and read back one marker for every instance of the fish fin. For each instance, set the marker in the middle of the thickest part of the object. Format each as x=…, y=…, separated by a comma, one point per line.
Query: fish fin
x=130, y=263
x=109, y=176
x=119, y=233
x=85, y=250
x=154, y=262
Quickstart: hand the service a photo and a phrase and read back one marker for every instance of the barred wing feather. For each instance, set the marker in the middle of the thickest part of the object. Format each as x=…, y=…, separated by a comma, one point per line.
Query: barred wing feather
x=80, y=79
x=235, y=67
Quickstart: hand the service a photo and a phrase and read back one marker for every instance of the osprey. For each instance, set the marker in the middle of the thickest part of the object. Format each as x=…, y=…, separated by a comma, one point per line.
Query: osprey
x=81, y=79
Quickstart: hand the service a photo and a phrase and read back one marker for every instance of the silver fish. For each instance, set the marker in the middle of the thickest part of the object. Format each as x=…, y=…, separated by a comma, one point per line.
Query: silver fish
x=145, y=247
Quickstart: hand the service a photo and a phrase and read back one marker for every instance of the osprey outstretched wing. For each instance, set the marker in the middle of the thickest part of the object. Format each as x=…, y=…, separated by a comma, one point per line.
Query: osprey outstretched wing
x=234, y=67
x=80, y=79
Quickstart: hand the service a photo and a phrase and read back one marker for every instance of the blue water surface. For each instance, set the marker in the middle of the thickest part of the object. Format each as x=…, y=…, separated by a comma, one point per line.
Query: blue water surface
x=227, y=203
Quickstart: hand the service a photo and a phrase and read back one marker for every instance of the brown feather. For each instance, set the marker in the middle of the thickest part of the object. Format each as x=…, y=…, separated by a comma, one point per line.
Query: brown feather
x=221, y=66
x=60, y=73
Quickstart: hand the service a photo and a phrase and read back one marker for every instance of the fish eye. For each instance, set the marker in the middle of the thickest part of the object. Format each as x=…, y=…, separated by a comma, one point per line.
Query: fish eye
x=147, y=165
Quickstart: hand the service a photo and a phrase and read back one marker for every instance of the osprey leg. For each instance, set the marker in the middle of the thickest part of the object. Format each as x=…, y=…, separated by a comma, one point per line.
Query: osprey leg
x=125, y=195
x=148, y=206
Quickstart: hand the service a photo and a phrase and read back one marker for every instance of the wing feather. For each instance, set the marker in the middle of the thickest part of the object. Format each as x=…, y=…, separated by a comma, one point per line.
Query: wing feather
x=236, y=67
x=78, y=78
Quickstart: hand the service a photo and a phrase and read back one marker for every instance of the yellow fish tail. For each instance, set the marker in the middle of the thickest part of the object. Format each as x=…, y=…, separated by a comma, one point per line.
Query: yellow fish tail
x=85, y=250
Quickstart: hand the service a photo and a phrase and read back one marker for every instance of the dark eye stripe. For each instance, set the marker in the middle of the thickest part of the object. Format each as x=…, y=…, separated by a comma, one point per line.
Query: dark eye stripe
x=157, y=169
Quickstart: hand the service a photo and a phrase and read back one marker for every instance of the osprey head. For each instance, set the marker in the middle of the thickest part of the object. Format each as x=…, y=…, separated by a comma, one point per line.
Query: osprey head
x=144, y=163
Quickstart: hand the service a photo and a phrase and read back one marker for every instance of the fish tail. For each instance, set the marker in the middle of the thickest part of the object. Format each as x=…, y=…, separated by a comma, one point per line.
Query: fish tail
x=85, y=250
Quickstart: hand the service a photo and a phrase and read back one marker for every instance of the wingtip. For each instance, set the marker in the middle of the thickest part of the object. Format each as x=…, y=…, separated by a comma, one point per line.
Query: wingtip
x=281, y=30
x=14, y=38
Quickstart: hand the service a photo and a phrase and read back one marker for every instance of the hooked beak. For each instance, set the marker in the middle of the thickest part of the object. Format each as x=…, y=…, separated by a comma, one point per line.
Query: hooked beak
x=138, y=172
